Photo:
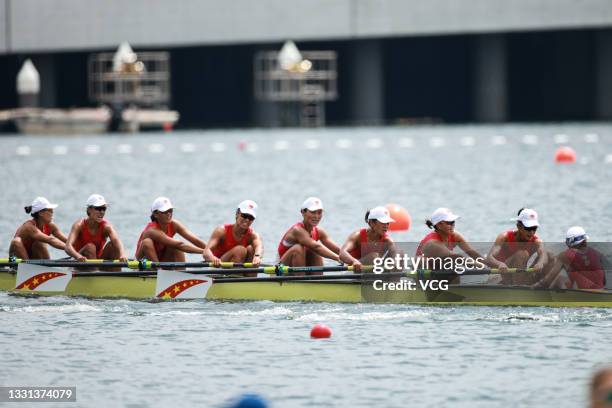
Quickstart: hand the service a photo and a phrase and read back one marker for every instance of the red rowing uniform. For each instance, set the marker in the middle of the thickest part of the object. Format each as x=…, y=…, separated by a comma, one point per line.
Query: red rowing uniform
x=512, y=246
x=159, y=248
x=27, y=242
x=434, y=236
x=229, y=241
x=363, y=244
x=585, y=269
x=85, y=237
x=284, y=245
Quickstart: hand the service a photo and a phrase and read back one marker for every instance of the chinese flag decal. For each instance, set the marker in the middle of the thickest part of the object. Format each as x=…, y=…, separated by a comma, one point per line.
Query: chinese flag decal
x=37, y=280
x=174, y=290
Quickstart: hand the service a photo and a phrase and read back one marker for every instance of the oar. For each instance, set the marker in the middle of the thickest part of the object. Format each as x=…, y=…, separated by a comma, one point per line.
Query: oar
x=132, y=264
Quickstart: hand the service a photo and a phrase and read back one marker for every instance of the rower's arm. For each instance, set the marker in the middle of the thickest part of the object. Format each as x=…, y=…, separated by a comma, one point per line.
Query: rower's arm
x=542, y=256
x=37, y=235
x=560, y=262
x=114, y=239
x=348, y=246
x=494, y=252
x=158, y=236
x=75, y=231
x=258, y=249
x=55, y=231
x=472, y=253
x=189, y=236
x=328, y=242
x=216, y=237
x=302, y=237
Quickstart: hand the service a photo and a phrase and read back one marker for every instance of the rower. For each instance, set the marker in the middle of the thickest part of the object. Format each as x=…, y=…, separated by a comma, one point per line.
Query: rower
x=514, y=248
x=305, y=244
x=93, y=237
x=438, y=245
x=156, y=242
x=238, y=242
x=585, y=265
x=31, y=238
x=366, y=244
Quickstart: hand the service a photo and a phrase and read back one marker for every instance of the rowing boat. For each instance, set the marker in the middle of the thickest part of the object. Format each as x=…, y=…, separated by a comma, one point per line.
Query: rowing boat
x=340, y=290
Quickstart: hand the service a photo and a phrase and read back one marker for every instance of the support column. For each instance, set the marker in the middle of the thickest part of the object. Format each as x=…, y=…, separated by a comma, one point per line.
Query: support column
x=367, y=82
x=603, y=69
x=490, y=79
x=46, y=66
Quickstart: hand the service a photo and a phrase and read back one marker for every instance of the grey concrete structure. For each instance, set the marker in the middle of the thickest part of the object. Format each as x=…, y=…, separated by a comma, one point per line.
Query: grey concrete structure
x=29, y=26
x=367, y=82
x=604, y=75
x=490, y=69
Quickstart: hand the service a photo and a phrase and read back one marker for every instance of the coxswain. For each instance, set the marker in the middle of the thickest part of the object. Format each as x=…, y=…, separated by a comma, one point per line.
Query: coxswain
x=156, y=242
x=93, y=237
x=31, y=238
x=304, y=243
x=514, y=248
x=366, y=244
x=437, y=247
x=585, y=266
x=238, y=242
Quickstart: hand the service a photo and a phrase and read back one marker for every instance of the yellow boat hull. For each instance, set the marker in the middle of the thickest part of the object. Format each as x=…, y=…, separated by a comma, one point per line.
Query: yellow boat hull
x=133, y=287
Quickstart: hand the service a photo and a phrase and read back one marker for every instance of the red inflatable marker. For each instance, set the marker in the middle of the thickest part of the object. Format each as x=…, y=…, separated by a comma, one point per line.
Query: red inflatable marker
x=401, y=217
x=565, y=154
x=320, y=331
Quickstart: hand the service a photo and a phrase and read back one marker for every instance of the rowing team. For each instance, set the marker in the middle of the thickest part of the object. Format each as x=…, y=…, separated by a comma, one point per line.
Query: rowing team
x=306, y=244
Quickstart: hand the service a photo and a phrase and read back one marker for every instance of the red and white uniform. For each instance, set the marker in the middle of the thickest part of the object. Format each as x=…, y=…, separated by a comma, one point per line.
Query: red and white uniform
x=585, y=269
x=85, y=237
x=512, y=246
x=159, y=248
x=363, y=241
x=434, y=236
x=285, y=244
x=230, y=242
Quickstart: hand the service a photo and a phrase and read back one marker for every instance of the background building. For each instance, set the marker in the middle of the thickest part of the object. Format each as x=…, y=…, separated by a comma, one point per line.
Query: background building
x=398, y=60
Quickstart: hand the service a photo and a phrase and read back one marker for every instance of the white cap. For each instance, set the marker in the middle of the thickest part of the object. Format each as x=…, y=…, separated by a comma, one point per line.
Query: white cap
x=528, y=217
x=575, y=235
x=41, y=203
x=96, y=200
x=312, y=204
x=248, y=207
x=380, y=214
x=443, y=214
x=161, y=204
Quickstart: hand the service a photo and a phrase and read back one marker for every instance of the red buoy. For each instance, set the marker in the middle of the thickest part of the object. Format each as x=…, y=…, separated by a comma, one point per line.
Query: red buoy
x=403, y=221
x=320, y=331
x=565, y=154
x=167, y=127
x=242, y=145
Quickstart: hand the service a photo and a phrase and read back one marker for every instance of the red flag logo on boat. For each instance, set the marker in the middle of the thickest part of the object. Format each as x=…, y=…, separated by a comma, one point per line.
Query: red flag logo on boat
x=39, y=278
x=181, y=285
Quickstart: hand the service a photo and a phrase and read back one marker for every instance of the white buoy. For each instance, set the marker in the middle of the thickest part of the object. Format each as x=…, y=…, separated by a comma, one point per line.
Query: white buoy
x=289, y=56
x=28, y=84
x=124, y=55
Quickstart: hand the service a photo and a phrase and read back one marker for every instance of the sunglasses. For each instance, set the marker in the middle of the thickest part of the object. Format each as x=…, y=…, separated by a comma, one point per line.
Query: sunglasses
x=247, y=217
x=164, y=212
x=449, y=222
x=101, y=208
x=530, y=229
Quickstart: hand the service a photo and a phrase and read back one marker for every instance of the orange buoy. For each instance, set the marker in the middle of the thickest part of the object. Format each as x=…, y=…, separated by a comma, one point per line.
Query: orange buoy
x=320, y=331
x=242, y=145
x=167, y=127
x=403, y=221
x=565, y=154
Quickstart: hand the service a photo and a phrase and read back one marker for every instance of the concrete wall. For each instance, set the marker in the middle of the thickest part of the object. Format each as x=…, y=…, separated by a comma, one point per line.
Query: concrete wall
x=63, y=25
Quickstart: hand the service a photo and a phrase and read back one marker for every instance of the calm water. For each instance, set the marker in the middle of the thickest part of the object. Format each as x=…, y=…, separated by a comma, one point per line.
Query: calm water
x=139, y=354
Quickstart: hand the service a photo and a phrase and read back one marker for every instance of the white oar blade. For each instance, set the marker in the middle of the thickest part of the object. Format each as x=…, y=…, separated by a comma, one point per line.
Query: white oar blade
x=38, y=278
x=181, y=285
